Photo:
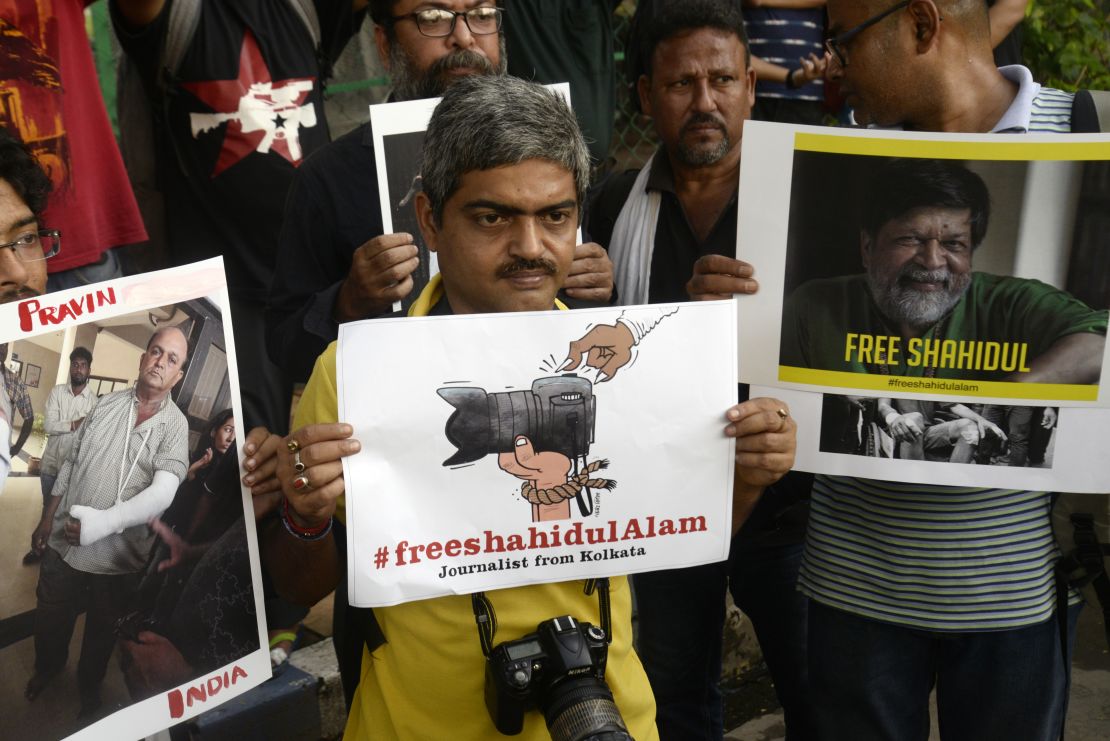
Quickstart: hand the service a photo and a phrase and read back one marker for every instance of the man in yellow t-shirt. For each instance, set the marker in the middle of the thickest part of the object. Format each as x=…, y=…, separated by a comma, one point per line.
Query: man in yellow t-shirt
x=504, y=176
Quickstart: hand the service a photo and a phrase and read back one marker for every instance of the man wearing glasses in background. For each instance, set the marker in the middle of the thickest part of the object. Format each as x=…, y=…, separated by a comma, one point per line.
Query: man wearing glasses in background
x=334, y=263
x=914, y=586
x=24, y=249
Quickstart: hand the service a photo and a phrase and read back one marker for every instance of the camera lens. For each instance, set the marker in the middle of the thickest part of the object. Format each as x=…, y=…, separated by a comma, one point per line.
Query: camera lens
x=583, y=710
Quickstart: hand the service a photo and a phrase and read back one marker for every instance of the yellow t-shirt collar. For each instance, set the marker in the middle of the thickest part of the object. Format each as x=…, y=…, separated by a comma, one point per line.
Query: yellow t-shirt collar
x=433, y=292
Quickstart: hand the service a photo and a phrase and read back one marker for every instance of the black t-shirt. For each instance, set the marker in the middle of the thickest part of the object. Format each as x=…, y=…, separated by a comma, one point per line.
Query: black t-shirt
x=245, y=109
x=568, y=41
x=677, y=248
x=332, y=209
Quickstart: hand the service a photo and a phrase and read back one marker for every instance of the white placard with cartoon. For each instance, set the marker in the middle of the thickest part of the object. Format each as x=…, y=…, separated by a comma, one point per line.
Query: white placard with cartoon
x=489, y=461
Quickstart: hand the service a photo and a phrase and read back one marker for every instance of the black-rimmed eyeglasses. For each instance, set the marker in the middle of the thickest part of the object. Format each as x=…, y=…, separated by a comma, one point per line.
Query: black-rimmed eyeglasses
x=836, y=44
x=35, y=246
x=438, y=22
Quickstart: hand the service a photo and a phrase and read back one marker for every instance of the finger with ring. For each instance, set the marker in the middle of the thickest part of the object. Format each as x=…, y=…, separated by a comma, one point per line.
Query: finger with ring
x=300, y=483
x=298, y=465
x=293, y=446
x=783, y=414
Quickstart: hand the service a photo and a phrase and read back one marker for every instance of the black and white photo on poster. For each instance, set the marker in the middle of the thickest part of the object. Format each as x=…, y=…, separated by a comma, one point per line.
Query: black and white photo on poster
x=951, y=443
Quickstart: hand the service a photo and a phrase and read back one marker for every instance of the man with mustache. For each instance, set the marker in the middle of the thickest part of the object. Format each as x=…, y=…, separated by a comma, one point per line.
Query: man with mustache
x=506, y=170
x=671, y=232
x=922, y=222
x=123, y=469
x=334, y=263
x=24, y=190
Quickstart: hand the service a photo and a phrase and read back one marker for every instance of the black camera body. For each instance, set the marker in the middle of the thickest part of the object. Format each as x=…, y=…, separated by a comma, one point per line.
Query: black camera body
x=557, y=414
x=559, y=669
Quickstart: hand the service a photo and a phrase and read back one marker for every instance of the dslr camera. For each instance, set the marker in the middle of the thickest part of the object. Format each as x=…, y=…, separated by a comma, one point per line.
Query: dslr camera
x=557, y=414
x=559, y=669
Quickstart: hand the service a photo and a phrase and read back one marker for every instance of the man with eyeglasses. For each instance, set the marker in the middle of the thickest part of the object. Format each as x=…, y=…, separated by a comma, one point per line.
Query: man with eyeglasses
x=24, y=249
x=334, y=263
x=915, y=586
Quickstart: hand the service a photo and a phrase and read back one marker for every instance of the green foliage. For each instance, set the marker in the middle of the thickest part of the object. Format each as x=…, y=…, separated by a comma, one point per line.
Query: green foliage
x=1067, y=43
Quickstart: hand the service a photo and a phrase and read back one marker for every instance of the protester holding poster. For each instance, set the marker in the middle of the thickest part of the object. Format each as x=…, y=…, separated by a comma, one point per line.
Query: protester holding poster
x=334, y=264
x=501, y=219
x=916, y=586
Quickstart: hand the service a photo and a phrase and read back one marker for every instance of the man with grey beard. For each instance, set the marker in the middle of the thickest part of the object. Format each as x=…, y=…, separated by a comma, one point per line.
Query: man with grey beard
x=334, y=263
x=922, y=221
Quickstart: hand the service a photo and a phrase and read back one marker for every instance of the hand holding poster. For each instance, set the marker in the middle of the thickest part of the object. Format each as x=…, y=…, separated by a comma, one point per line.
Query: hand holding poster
x=145, y=528
x=526, y=448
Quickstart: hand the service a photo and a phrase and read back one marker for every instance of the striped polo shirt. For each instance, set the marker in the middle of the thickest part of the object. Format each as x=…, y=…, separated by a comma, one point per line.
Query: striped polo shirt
x=783, y=36
x=940, y=558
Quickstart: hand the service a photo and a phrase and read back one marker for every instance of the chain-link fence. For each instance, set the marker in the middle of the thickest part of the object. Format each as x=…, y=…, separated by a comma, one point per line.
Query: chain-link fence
x=633, y=136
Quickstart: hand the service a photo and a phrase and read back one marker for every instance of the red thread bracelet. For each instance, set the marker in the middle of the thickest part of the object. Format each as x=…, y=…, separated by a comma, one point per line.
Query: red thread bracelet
x=305, y=533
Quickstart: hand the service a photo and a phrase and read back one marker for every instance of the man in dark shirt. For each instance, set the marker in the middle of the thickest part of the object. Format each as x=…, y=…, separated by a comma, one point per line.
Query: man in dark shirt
x=671, y=233
x=334, y=263
x=243, y=109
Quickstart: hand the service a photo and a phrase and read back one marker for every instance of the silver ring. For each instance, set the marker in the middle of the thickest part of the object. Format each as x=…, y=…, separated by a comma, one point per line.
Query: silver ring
x=298, y=466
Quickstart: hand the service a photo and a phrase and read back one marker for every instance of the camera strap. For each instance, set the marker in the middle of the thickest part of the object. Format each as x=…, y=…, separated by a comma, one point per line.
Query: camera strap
x=602, y=587
x=486, y=617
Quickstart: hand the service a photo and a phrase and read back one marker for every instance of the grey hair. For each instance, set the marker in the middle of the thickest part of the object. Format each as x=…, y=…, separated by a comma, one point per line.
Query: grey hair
x=487, y=122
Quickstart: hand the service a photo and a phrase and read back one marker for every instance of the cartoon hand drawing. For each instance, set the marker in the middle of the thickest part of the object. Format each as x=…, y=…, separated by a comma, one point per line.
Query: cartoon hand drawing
x=542, y=435
x=608, y=347
x=550, y=487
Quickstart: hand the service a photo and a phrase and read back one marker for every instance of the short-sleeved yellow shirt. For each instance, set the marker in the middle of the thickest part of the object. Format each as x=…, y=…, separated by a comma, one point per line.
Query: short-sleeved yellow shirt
x=427, y=680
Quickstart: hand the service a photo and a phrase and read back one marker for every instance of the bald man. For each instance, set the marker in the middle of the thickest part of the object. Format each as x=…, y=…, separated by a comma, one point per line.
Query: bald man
x=130, y=455
x=913, y=586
